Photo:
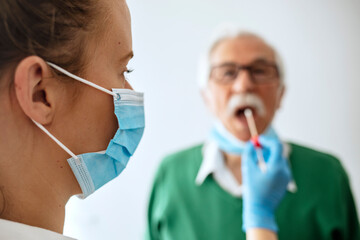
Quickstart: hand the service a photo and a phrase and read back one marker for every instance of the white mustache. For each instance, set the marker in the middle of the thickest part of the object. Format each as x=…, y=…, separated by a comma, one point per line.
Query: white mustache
x=246, y=100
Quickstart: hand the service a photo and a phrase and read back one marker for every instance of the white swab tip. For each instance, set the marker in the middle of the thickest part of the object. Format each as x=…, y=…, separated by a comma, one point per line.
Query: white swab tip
x=248, y=112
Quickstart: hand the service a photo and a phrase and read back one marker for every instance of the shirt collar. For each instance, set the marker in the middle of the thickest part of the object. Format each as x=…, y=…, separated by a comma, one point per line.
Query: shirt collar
x=213, y=161
x=212, y=158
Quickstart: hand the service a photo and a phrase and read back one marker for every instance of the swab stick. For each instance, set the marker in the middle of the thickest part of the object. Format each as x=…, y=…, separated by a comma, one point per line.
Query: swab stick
x=254, y=137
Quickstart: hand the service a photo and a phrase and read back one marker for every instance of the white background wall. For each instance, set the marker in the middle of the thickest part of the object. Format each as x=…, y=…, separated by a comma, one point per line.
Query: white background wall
x=320, y=45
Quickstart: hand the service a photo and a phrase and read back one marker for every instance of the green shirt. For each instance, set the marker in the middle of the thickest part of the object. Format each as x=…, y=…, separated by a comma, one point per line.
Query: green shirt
x=321, y=208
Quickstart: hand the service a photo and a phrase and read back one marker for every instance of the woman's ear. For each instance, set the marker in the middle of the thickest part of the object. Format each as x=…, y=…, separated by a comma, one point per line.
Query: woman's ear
x=32, y=81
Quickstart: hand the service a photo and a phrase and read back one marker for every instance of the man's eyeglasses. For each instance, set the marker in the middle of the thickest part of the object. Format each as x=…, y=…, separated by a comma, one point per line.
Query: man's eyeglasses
x=260, y=73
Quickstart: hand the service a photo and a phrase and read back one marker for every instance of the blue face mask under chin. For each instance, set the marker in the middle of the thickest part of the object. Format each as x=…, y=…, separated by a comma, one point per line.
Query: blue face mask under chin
x=93, y=170
x=228, y=143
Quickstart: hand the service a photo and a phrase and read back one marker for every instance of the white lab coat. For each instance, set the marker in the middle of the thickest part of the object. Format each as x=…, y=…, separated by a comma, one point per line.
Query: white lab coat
x=17, y=231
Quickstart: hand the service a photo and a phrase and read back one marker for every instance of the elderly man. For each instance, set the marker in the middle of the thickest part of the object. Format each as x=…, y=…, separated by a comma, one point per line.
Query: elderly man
x=198, y=192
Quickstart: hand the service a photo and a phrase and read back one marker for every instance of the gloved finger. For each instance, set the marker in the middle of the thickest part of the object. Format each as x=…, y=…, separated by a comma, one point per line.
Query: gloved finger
x=274, y=146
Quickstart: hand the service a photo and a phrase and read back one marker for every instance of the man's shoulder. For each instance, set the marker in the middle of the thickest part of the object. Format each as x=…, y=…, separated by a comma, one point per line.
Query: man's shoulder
x=184, y=156
x=301, y=151
x=181, y=166
x=310, y=159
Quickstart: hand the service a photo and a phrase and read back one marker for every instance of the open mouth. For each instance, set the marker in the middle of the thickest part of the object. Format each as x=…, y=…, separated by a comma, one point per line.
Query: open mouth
x=240, y=112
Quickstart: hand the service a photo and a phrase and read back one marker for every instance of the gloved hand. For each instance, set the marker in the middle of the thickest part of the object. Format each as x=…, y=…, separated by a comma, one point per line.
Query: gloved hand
x=263, y=191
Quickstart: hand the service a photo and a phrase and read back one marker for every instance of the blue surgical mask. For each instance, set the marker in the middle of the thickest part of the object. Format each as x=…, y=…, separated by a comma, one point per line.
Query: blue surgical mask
x=228, y=143
x=93, y=170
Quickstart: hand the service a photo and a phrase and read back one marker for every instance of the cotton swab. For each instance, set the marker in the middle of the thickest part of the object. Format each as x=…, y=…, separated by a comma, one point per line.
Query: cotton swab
x=254, y=137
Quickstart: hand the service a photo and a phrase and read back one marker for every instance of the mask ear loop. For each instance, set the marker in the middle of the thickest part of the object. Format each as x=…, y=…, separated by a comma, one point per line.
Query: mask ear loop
x=117, y=96
x=57, y=141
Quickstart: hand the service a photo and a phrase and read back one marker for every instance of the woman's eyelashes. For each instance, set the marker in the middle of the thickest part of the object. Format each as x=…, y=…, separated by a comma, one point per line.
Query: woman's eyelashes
x=127, y=73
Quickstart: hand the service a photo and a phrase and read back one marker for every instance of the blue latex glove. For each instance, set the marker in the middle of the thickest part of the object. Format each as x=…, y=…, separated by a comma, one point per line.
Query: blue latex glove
x=263, y=191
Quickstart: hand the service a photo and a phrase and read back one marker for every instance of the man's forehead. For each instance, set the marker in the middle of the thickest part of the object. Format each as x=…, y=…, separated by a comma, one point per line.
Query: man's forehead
x=242, y=50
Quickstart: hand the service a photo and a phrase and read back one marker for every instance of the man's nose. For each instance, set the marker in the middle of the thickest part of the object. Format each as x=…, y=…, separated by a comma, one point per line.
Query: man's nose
x=243, y=82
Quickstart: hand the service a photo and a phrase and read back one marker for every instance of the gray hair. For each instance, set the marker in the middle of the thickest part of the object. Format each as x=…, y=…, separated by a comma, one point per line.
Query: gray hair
x=215, y=40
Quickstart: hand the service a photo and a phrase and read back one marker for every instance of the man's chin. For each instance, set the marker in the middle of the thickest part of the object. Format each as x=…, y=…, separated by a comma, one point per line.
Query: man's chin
x=240, y=130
